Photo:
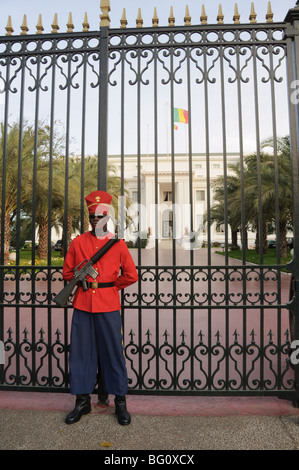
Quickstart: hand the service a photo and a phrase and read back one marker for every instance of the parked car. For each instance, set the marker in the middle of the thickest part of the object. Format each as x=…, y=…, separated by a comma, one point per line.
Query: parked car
x=271, y=243
x=57, y=246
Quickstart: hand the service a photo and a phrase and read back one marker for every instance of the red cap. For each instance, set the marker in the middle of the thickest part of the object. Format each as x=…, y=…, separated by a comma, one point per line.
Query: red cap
x=98, y=202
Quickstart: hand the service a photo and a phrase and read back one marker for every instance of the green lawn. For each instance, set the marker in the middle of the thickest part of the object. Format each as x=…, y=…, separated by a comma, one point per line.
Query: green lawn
x=253, y=257
x=25, y=259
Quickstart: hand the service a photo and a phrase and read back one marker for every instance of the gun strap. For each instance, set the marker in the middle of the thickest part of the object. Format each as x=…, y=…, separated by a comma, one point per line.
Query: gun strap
x=102, y=251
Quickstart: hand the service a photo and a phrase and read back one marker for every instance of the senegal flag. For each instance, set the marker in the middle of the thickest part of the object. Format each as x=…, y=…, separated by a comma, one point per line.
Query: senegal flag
x=180, y=115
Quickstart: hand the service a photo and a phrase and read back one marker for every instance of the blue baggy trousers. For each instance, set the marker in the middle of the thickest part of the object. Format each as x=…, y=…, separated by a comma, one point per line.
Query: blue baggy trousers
x=96, y=338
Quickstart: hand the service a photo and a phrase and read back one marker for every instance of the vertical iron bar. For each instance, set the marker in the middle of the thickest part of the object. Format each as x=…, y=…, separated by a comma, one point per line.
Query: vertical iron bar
x=20, y=147
x=103, y=110
x=83, y=129
x=139, y=209
x=173, y=211
x=277, y=213
x=243, y=214
x=50, y=189
x=156, y=215
x=207, y=129
x=34, y=184
x=191, y=260
x=261, y=214
x=221, y=52
x=3, y=204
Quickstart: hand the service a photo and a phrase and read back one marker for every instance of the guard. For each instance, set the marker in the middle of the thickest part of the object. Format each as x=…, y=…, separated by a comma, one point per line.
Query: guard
x=96, y=332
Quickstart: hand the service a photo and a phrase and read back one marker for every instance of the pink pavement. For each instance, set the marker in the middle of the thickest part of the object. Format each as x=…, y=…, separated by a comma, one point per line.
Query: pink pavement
x=155, y=405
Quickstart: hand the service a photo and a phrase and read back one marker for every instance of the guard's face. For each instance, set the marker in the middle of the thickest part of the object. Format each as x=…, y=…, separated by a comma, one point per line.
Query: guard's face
x=98, y=221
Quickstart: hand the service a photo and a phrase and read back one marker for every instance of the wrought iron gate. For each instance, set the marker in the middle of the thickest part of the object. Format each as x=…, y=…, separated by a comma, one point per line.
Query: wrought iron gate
x=199, y=321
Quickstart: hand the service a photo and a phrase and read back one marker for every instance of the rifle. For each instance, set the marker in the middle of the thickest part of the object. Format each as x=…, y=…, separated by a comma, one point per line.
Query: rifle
x=62, y=297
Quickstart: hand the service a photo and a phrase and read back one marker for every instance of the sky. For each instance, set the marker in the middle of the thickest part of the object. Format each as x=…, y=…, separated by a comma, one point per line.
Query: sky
x=32, y=8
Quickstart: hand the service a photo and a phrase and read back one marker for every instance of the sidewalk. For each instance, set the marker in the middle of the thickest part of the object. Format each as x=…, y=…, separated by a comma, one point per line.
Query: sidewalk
x=35, y=421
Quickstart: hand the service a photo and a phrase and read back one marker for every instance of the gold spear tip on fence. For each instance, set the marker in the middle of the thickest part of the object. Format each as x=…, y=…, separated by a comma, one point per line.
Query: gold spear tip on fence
x=155, y=19
x=171, y=19
x=85, y=23
x=24, y=26
x=187, y=17
x=54, y=25
x=203, y=17
x=123, y=20
x=236, y=17
x=70, y=25
x=252, y=15
x=9, y=27
x=139, y=20
x=220, y=16
x=39, y=26
x=269, y=15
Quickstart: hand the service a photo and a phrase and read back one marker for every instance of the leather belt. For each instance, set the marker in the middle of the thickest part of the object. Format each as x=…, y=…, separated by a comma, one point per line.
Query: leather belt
x=99, y=285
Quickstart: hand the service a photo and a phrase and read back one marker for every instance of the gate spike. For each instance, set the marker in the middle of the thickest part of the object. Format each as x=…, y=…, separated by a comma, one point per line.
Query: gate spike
x=252, y=334
x=85, y=23
x=25, y=333
x=58, y=334
x=220, y=16
x=24, y=26
x=70, y=25
x=200, y=334
x=236, y=17
x=171, y=19
x=155, y=19
x=139, y=20
x=9, y=27
x=148, y=334
x=39, y=26
x=269, y=14
x=54, y=25
x=131, y=334
x=187, y=17
x=123, y=20
x=10, y=332
x=252, y=15
x=41, y=332
x=165, y=334
x=203, y=18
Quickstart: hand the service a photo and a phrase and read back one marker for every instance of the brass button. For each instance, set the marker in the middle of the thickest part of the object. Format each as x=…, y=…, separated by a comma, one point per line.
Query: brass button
x=93, y=291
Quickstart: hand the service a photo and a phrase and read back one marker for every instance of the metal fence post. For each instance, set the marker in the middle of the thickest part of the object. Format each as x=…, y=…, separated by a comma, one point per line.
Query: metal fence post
x=103, y=104
x=292, y=35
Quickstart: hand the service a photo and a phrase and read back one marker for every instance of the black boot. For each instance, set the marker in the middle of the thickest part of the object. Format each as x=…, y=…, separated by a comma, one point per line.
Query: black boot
x=121, y=412
x=82, y=407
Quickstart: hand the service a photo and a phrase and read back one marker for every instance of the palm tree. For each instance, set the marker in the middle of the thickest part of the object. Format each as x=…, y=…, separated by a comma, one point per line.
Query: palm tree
x=278, y=189
x=16, y=163
x=221, y=212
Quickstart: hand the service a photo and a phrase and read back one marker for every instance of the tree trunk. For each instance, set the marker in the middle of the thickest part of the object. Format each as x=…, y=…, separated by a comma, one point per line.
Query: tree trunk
x=235, y=238
x=6, y=237
x=264, y=238
x=283, y=239
x=42, y=250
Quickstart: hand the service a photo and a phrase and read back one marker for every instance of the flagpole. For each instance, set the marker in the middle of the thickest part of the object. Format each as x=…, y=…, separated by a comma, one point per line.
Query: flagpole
x=186, y=139
x=166, y=109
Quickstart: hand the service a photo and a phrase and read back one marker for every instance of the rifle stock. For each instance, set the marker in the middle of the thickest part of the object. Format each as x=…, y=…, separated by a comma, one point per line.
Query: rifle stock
x=62, y=297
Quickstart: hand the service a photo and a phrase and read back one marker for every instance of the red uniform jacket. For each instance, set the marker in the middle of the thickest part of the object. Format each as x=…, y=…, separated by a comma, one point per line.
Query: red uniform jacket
x=101, y=299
